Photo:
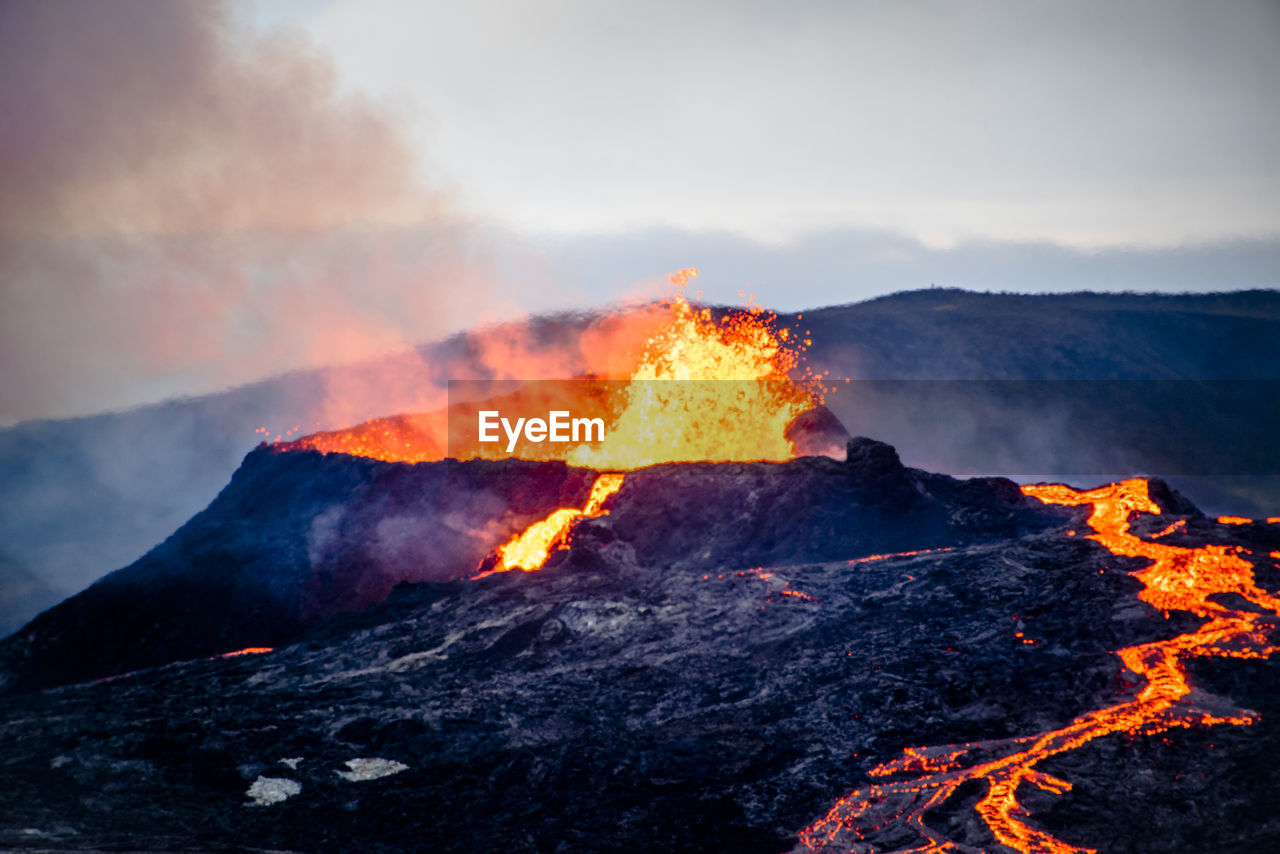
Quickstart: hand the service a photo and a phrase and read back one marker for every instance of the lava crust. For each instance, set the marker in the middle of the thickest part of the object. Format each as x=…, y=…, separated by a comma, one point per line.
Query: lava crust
x=709, y=667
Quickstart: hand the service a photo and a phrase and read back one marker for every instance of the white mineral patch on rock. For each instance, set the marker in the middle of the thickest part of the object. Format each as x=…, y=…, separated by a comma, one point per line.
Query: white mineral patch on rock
x=266, y=791
x=292, y=762
x=371, y=769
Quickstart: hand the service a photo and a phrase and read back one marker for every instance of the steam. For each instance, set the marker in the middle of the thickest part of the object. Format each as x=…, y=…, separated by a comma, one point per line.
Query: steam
x=189, y=204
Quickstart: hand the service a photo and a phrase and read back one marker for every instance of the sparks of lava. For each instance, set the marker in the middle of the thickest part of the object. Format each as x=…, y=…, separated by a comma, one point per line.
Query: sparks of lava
x=1178, y=578
x=702, y=417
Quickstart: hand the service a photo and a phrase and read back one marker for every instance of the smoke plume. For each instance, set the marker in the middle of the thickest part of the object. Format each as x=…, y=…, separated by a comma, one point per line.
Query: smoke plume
x=189, y=204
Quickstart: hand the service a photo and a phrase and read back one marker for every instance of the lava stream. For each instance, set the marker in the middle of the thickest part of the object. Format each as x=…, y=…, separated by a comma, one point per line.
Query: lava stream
x=529, y=549
x=1178, y=578
x=873, y=558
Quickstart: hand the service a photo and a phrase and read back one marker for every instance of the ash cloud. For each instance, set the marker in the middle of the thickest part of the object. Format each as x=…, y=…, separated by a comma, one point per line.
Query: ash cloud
x=189, y=204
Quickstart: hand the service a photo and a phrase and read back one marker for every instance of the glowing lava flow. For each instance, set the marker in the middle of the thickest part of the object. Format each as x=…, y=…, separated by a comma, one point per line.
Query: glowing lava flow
x=248, y=650
x=529, y=549
x=874, y=558
x=1178, y=578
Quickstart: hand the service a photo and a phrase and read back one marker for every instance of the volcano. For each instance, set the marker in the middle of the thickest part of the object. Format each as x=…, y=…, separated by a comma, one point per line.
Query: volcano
x=815, y=655
x=720, y=625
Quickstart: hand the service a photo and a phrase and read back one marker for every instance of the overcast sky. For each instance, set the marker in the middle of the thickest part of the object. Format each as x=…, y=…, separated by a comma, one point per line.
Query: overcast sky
x=195, y=195
x=1085, y=123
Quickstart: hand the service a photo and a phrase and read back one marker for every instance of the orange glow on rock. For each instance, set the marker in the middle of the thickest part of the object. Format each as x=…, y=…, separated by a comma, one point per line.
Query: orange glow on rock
x=1177, y=578
x=1234, y=520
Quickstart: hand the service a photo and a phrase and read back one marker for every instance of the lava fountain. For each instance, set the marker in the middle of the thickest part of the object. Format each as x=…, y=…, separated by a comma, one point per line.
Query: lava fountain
x=1178, y=578
x=704, y=390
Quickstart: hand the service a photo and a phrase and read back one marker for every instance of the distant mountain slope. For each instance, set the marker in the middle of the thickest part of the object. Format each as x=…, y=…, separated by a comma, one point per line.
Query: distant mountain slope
x=83, y=496
x=944, y=333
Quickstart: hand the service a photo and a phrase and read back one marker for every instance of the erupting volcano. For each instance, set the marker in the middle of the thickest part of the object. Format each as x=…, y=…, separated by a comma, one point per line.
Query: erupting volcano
x=691, y=631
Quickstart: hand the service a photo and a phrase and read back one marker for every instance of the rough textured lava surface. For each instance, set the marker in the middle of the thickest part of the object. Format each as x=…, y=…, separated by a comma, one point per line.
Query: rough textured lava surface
x=711, y=665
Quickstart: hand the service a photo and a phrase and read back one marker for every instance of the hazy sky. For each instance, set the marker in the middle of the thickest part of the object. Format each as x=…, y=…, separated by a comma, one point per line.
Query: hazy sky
x=199, y=194
x=1080, y=122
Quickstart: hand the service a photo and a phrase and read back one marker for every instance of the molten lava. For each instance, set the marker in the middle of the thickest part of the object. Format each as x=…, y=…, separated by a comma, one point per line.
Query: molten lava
x=703, y=390
x=529, y=549
x=734, y=402
x=873, y=558
x=248, y=650
x=1178, y=579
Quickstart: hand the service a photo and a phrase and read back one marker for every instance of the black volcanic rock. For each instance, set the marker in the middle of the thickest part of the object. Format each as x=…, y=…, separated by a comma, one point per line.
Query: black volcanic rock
x=818, y=432
x=651, y=694
x=293, y=539
x=812, y=508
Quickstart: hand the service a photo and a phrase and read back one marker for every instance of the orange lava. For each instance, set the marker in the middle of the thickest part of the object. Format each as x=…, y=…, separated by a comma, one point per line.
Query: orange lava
x=777, y=587
x=1178, y=578
x=871, y=558
x=735, y=401
x=1234, y=520
x=529, y=549
x=704, y=389
x=248, y=650
x=1176, y=526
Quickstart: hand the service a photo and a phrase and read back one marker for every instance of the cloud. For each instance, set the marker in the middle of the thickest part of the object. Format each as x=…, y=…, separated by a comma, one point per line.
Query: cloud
x=853, y=264
x=1078, y=121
